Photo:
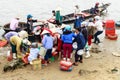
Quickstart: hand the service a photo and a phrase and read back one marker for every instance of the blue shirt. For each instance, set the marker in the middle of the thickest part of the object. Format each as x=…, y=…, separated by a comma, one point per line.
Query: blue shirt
x=47, y=42
x=68, y=38
x=34, y=52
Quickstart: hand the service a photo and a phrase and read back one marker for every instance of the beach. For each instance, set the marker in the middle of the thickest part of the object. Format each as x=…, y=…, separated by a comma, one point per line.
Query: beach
x=98, y=67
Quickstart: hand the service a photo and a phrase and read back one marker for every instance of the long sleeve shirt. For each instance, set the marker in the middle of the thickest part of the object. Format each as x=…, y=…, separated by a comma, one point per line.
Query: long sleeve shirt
x=10, y=34
x=47, y=42
x=15, y=40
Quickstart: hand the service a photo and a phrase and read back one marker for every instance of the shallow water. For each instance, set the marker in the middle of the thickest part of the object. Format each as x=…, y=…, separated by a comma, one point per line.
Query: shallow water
x=41, y=9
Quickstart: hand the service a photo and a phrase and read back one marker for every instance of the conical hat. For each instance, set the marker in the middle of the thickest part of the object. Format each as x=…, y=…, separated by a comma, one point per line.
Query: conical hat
x=44, y=32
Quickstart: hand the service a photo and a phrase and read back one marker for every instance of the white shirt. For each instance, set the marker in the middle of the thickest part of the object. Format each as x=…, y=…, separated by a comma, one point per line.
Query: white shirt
x=14, y=24
x=99, y=25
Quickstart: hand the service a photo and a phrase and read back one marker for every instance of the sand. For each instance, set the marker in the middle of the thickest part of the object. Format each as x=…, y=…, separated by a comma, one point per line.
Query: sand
x=97, y=67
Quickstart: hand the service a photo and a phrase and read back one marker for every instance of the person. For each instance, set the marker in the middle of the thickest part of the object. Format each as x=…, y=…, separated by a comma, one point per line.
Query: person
x=58, y=16
x=96, y=8
x=34, y=52
x=85, y=34
x=14, y=24
x=77, y=11
x=67, y=39
x=53, y=14
x=16, y=43
x=10, y=34
x=30, y=22
x=80, y=46
x=22, y=34
x=99, y=27
x=37, y=31
x=47, y=43
x=91, y=31
x=79, y=17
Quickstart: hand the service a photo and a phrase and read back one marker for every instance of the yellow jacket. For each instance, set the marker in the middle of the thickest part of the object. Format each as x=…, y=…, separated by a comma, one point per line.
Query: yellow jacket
x=15, y=40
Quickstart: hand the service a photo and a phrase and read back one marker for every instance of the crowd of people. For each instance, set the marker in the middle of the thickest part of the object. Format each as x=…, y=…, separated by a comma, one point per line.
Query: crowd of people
x=61, y=37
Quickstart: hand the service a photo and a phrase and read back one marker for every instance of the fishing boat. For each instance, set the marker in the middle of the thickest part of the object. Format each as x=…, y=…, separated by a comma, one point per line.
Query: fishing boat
x=22, y=25
x=70, y=18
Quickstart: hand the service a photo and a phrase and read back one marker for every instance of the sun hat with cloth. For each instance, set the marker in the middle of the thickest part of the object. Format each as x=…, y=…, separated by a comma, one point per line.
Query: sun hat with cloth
x=23, y=34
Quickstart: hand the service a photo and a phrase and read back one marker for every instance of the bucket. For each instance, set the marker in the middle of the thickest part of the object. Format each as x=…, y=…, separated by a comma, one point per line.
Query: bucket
x=36, y=64
x=109, y=27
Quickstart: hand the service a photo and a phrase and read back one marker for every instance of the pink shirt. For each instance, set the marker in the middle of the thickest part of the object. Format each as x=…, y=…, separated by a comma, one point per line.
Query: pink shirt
x=14, y=24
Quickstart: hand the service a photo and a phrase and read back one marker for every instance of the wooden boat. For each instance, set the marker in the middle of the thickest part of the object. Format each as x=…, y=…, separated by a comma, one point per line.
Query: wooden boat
x=70, y=18
x=22, y=25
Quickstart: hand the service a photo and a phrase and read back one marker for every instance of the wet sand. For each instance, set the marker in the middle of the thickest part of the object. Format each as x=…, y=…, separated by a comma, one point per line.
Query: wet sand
x=97, y=67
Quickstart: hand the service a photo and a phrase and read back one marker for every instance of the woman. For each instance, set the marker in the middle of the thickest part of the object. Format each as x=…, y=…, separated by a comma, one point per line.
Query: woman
x=67, y=39
x=80, y=46
x=47, y=43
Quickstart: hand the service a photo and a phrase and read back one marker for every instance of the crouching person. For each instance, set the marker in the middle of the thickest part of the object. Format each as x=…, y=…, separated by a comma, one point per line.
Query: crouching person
x=80, y=46
x=34, y=52
x=16, y=44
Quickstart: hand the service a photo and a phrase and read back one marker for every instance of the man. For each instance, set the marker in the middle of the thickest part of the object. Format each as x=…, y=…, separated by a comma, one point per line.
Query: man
x=14, y=24
x=99, y=27
x=30, y=22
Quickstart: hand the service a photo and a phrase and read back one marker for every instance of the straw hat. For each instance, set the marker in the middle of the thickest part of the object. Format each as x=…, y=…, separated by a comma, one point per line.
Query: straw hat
x=44, y=32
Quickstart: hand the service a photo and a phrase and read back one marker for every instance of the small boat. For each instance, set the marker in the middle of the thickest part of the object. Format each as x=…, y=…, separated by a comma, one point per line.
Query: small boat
x=117, y=23
x=22, y=25
x=70, y=18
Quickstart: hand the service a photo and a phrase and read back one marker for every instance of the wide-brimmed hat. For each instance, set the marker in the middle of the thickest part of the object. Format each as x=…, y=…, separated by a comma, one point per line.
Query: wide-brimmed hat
x=23, y=34
x=44, y=32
